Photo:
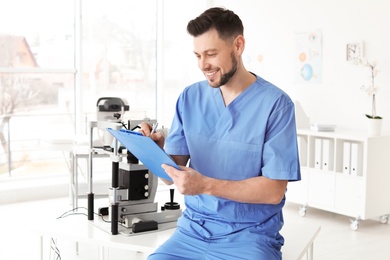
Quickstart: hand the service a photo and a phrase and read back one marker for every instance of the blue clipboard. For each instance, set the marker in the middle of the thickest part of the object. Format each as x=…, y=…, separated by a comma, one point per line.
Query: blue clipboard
x=146, y=150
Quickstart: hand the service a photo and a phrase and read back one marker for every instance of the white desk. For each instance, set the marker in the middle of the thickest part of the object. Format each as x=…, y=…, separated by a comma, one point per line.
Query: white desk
x=299, y=238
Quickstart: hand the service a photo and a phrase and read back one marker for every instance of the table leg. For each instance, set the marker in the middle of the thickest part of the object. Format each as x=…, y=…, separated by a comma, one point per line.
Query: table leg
x=76, y=189
x=71, y=181
x=102, y=252
x=310, y=252
x=41, y=247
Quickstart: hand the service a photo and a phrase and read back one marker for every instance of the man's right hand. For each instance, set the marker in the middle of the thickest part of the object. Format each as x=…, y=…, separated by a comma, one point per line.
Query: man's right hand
x=158, y=137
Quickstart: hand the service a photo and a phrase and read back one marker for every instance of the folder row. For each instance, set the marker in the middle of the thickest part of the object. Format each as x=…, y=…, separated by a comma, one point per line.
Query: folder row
x=352, y=158
x=323, y=154
x=347, y=160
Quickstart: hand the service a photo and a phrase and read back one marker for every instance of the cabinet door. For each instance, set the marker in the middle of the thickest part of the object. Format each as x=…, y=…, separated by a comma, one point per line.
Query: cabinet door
x=321, y=188
x=349, y=194
x=297, y=190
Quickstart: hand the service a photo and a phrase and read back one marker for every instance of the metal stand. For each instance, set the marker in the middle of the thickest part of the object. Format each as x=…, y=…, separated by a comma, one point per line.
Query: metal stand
x=115, y=186
x=92, y=125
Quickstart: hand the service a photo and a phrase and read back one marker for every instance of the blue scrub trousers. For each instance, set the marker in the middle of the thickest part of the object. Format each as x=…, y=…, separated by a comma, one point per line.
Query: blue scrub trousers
x=185, y=246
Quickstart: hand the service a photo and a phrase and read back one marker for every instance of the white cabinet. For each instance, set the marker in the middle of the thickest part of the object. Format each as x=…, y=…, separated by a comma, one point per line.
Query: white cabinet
x=343, y=172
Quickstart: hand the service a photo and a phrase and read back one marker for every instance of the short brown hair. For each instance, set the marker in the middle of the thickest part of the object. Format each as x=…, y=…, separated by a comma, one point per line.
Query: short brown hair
x=226, y=22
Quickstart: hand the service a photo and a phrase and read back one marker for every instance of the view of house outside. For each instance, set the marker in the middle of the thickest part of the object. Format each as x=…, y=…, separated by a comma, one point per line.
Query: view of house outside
x=39, y=53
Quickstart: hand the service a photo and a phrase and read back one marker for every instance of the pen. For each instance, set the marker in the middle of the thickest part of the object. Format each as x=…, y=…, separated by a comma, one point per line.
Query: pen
x=153, y=129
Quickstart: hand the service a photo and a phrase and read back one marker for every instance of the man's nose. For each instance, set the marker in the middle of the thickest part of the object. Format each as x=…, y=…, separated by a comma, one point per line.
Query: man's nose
x=203, y=64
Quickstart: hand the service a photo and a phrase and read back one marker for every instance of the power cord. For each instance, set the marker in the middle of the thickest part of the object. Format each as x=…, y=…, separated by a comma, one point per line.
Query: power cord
x=72, y=212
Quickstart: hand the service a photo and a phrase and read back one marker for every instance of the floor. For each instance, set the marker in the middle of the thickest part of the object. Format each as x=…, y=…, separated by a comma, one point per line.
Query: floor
x=335, y=241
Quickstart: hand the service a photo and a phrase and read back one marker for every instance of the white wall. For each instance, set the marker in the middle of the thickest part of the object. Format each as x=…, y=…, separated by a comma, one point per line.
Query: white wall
x=338, y=99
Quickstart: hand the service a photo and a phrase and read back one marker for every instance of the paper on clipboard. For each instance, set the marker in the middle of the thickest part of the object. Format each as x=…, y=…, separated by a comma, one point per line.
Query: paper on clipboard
x=146, y=150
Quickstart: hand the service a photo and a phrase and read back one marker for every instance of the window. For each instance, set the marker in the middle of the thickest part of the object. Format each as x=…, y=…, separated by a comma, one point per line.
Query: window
x=119, y=54
x=42, y=50
x=179, y=66
x=54, y=67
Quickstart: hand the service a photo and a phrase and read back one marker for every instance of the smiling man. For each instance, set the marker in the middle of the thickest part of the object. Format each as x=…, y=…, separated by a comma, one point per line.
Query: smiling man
x=238, y=133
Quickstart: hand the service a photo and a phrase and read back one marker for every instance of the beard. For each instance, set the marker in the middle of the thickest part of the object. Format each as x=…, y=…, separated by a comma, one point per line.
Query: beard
x=227, y=76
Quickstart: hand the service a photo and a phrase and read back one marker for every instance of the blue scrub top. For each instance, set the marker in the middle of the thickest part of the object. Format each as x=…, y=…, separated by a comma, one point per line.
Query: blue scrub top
x=254, y=135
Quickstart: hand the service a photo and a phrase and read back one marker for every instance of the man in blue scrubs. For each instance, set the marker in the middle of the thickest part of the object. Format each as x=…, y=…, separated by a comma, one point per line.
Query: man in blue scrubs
x=238, y=133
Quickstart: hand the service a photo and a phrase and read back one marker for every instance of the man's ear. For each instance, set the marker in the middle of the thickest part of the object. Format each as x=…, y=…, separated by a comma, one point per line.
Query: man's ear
x=239, y=44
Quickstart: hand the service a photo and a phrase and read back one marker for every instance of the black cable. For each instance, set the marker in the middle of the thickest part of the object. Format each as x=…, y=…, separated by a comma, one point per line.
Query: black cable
x=53, y=244
x=72, y=212
x=107, y=221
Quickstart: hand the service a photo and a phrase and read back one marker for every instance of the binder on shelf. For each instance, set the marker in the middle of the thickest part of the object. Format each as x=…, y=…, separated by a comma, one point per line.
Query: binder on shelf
x=326, y=154
x=318, y=153
x=356, y=158
x=346, y=157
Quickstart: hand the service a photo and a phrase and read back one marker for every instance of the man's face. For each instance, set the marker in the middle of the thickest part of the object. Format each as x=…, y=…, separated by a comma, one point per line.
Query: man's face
x=216, y=58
